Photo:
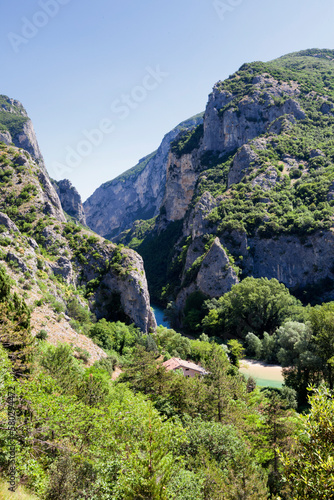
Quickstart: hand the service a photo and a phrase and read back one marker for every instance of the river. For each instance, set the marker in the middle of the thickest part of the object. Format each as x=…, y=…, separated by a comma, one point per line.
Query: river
x=159, y=316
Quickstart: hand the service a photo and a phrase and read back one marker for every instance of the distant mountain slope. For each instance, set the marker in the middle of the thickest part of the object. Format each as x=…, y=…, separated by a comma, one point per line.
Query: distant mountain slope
x=136, y=194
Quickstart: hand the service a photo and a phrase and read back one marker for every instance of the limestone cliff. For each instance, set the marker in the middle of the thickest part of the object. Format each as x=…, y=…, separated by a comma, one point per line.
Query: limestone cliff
x=256, y=180
x=300, y=263
x=231, y=121
x=214, y=275
x=50, y=255
x=70, y=200
x=136, y=194
x=181, y=178
x=17, y=128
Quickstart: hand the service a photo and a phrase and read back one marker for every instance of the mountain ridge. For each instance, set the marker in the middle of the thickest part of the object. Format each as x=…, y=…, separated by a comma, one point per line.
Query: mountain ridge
x=259, y=177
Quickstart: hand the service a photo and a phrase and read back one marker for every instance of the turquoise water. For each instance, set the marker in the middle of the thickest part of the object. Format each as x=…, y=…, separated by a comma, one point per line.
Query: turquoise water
x=264, y=376
x=263, y=382
x=159, y=316
x=268, y=383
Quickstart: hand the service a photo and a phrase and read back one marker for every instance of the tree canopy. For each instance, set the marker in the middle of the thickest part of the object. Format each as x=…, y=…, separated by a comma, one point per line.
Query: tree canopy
x=254, y=305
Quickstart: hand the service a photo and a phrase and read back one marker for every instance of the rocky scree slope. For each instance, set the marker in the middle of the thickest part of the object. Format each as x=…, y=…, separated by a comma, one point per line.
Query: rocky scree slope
x=53, y=261
x=136, y=194
x=250, y=192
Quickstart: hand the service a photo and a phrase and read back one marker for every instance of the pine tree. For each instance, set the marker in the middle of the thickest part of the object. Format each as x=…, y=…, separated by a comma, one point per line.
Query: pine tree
x=149, y=468
x=15, y=334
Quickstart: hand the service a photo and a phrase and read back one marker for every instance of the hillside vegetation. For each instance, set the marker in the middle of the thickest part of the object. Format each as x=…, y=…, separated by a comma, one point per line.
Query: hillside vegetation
x=242, y=243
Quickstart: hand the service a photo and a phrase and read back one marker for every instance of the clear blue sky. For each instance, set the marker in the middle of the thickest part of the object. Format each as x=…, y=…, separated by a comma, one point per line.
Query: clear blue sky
x=69, y=61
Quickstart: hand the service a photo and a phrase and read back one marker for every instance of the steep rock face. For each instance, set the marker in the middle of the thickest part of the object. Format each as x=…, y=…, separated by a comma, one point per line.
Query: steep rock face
x=26, y=139
x=215, y=276
x=229, y=123
x=298, y=264
x=8, y=223
x=20, y=129
x=70, y=200
x=52, y=205
x=181, y=180
x=246, y=159
x=20, y=132
x=119, y=290
x=5, y=137
x=137, y=194
x=132, y=290
x=241, y=164
x=196, y=223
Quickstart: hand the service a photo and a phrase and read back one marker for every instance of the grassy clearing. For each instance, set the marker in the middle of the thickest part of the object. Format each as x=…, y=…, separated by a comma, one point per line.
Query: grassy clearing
x=20, y=493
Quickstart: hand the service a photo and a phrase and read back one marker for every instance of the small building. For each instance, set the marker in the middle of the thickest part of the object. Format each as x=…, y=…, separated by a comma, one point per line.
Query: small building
x=189, y=369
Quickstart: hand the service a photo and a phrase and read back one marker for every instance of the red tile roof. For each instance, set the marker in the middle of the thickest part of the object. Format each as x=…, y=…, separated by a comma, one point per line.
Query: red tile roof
x=175, y=363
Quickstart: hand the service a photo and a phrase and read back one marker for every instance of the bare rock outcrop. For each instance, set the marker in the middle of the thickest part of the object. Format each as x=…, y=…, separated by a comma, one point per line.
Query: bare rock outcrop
x=196, y=224
x=52, y=205
x=63, y=267
x=13, y=258
x=122, y=287
x=23, y=134
x=5, y=137
x=227, y=125
x=266, y=180
x=216, y=275
x=26, y=139
x=296, y=263
x=181, y=178
x=70, y=200
x=8, y=223
x=241, y=164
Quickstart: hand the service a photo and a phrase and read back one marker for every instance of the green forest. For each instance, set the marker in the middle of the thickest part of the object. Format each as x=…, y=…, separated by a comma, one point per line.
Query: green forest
x=123, y=427
x=153, y=434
